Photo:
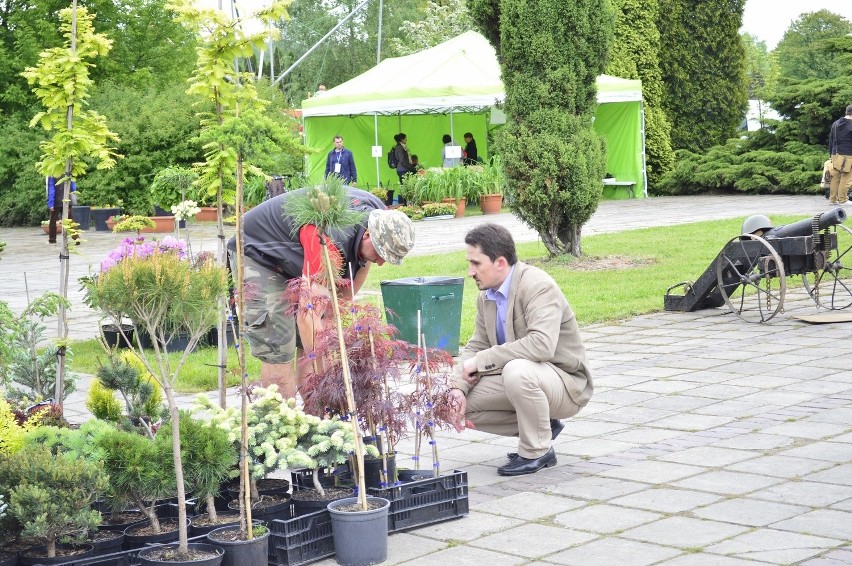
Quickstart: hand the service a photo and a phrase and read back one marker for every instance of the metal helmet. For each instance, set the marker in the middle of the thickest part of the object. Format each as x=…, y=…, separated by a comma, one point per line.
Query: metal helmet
x=757, y=222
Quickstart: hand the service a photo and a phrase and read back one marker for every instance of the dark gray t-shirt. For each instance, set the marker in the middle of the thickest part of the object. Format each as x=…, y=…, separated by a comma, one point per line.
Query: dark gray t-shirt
x=270, y=238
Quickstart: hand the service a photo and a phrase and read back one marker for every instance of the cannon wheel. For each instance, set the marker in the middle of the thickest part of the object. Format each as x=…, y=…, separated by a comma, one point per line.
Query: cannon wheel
x=831, y=285
x=744, y=273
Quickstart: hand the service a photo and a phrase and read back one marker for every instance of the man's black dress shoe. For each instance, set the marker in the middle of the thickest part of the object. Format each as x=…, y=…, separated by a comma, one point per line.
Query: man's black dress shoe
x=556, y=427
x=520, y=465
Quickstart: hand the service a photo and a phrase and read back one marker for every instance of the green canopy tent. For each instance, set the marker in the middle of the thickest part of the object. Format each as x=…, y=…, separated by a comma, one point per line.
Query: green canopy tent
x=453, y=88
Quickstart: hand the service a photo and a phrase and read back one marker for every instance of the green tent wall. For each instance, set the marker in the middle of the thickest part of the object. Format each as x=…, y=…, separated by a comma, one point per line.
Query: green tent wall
x=451, y=89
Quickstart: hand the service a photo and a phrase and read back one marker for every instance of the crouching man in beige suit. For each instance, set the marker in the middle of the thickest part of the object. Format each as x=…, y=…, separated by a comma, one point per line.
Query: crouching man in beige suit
x=525, y=366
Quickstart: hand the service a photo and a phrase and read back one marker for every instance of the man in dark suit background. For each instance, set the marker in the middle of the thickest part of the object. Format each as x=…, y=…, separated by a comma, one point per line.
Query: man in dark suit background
x=341, y=162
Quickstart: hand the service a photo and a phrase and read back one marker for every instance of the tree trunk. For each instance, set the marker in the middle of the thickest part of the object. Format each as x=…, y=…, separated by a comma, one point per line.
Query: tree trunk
x=247, y=488
x=64, y=268
x=565, y=242
x=181, y=490
x=211, y=508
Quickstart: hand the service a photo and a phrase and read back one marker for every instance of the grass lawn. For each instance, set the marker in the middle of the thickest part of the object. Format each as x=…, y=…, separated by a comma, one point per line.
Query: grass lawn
x=199, y=372
x=619, y=276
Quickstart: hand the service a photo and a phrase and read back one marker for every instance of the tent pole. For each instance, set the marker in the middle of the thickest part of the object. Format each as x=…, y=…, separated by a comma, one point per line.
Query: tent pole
x=452, y=133
x=354, y=11
x=644, y=161
x=376, y=142
x=379, y=42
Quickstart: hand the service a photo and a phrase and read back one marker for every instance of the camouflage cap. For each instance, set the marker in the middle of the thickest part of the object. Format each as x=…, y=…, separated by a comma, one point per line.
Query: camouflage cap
x=392, y=234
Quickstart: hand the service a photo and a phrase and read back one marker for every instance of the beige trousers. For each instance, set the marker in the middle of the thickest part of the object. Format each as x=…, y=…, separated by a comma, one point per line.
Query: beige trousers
x=520, y=402
x=841, y=179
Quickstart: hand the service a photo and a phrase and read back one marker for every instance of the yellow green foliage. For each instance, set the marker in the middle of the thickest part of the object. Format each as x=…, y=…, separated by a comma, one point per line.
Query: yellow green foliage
x=102, y=403
x=12, y=433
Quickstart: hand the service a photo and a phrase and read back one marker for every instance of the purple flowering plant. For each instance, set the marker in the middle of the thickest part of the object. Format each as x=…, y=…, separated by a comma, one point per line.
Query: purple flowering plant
x=140, y=248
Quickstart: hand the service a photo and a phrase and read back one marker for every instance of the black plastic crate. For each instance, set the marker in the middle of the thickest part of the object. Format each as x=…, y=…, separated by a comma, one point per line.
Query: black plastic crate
x=426, y=501
x=301, y=540
x=304, y=477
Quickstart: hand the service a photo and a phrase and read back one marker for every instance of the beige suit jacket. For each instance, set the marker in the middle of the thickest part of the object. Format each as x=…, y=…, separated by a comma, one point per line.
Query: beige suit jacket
x=540, y=327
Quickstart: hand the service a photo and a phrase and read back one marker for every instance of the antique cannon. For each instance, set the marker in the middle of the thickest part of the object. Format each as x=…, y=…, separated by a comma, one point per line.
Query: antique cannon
x=749, y=274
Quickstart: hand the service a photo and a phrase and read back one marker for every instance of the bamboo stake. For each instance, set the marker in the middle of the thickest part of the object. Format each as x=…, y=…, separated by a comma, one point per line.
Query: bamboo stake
x=417, y=436
x=347, y=378
x=245, y=481
x=429, y=429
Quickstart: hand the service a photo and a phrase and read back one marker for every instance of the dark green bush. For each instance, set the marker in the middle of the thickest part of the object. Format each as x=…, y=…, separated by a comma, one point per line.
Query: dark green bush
x=737, y=166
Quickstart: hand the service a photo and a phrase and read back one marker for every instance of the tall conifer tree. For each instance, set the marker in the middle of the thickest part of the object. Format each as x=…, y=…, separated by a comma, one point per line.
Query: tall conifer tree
x=703, y=62
x=551, y=54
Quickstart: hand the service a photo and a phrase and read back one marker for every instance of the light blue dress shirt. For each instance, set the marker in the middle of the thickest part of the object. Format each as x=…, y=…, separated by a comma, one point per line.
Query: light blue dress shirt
x=501, y=297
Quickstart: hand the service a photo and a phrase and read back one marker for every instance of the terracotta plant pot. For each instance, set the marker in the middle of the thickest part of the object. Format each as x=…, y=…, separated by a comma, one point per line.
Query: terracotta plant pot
x=491, y=204
x=46, y=228
x=207, y=214
x=460, y=205
x=164, y=224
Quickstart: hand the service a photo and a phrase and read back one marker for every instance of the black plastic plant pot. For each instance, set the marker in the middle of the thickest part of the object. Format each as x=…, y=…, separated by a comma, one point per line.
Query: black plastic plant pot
x=261, y=511
x=240, y=552
x=64, y=553
x=149, y=556
x=360, y=537
x=100, y=216
x=168, y=533
x=198, y=525
x=373, y=468
x=114, y=338
x=107, y=542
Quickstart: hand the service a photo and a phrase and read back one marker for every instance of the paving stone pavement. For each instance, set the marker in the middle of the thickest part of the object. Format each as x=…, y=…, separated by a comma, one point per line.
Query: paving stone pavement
x=709, y=441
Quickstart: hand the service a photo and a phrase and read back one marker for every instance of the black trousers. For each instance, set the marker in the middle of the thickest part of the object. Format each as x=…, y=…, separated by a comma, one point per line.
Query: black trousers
x=55, y=216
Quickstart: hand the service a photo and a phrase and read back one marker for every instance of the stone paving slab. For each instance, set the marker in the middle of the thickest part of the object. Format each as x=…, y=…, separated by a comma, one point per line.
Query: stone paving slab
x=775, y=547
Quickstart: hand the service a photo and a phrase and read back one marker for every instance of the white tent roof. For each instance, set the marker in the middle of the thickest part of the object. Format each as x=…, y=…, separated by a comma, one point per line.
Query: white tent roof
x=459, y=74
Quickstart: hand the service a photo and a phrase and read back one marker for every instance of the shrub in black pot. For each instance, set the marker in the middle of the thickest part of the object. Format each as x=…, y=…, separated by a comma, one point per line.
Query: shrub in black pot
x=52, y=494
x=238, y=551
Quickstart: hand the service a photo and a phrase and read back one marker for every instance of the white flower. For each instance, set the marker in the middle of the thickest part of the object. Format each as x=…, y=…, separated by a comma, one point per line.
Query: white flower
x=185, y=210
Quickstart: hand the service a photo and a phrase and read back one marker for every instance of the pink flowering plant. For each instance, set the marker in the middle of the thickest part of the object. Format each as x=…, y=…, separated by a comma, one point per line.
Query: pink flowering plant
x=138, y=247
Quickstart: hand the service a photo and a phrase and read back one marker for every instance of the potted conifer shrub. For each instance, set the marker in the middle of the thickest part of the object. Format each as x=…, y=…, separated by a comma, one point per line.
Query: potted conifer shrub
x=272, y=426
x=50, y=495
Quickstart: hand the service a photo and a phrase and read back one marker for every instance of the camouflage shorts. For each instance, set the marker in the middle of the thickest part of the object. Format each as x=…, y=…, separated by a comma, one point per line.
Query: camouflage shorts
x=270, y=330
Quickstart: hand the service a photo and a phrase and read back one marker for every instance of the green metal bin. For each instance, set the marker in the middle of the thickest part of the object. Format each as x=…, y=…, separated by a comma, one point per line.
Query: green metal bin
x=439, y=300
